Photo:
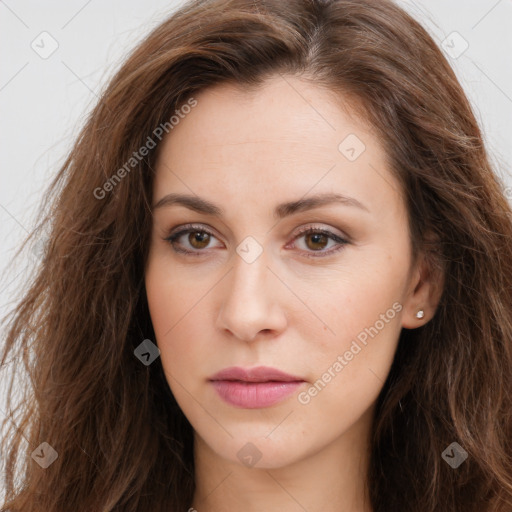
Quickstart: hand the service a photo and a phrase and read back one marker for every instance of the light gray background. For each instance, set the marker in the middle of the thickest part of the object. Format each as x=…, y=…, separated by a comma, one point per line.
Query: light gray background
x=44, y=101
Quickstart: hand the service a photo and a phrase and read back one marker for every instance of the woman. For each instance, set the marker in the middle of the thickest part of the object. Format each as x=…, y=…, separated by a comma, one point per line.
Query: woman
x=278, y=277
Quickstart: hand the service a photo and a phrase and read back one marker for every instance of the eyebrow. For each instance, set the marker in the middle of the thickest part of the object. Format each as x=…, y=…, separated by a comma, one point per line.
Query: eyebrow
x=282, y=210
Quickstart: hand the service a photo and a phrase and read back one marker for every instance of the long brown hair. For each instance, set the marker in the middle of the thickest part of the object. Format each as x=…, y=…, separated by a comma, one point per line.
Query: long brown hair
x=122, y=442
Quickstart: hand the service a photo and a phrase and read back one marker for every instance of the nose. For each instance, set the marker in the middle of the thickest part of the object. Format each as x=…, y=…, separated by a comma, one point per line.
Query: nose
x=250, y=304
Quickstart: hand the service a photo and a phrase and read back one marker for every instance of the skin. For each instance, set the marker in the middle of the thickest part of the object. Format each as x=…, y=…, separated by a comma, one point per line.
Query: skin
x=247, y=153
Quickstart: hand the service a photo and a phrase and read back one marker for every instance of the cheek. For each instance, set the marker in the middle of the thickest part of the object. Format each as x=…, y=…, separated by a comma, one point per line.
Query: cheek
x=350, y=359
x=176, y=308
x=178, y=318
x=354, y=297
x=171, y=294
x=349, y=369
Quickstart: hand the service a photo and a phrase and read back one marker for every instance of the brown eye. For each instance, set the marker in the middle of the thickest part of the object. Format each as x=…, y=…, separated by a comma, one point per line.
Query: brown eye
x=199, y=239
x=314, y=241
x=191, y=240
x=317, y=240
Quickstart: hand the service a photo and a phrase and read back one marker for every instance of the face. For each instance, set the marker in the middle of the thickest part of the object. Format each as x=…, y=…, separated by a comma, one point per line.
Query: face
x=252, y=271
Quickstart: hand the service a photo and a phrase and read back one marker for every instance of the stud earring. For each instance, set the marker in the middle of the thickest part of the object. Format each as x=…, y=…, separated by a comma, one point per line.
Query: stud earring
x=420, y=314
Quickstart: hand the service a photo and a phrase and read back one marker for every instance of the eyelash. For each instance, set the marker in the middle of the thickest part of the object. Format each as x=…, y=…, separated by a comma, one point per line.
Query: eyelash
x=306, y=231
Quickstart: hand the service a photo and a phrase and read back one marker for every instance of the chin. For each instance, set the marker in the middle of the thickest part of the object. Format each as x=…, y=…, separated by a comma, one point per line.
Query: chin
x=258, y=451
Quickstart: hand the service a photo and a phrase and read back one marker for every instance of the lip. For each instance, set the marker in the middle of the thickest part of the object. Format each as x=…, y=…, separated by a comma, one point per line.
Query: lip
x=256, y=374
x=254, y=388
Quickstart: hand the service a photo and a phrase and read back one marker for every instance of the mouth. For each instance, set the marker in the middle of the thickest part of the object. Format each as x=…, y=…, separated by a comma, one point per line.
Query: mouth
x=254, y=388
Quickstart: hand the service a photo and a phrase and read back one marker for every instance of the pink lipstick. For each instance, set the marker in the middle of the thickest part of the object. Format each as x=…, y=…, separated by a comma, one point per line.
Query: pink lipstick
x=254, y=388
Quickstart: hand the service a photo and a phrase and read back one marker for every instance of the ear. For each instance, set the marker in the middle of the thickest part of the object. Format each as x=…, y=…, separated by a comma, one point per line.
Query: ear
x=425, y=290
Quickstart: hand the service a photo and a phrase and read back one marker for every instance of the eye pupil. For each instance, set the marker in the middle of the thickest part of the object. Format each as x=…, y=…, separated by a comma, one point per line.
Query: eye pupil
x=316, y=237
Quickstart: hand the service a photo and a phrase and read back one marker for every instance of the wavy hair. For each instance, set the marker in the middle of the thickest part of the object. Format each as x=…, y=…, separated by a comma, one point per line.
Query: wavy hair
x=123, y=443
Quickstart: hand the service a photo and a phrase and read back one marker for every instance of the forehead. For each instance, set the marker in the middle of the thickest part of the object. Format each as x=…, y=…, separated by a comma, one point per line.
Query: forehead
x=286, y=138
x=281, y=113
